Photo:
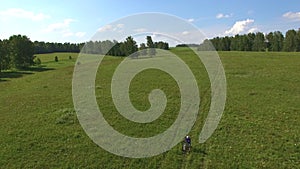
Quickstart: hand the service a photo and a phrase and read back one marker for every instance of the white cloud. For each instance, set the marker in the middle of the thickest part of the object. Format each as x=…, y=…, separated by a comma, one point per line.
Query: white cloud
x=187, y=36
x=240, y=27
x=60, y=26
x=67, y=34
x=80, y=34
x=120, y=25
x=118, y=28
x=252, y=30
x=220, y=16
x=292, y=16
x=23, y=14
x=105, y=28
x=64, y=29
x=185, y=33
x=191, y=20
x=140, y=30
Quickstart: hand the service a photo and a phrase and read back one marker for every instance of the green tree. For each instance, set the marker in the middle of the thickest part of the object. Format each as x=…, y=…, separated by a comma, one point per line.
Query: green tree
x=130, y=46
x=290, y=42
x=4, y=55
x=116, y=49
x=151, y=46
x=250, y=37
x=216, y=42
x=259, y=42
x=225, y=43
x=89, y=47
x=275, y=41
x=106, y=46
x=246, y=43
x=269, y=39
x=161, y=45
x=42, y=47
x=278, y=41
x=143, y=49
x=298, y=40
x=235, y=43
x=206, y=45
x=21, y=50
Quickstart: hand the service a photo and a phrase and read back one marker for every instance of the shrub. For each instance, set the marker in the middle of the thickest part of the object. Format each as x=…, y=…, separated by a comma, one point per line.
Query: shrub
x=37, y=61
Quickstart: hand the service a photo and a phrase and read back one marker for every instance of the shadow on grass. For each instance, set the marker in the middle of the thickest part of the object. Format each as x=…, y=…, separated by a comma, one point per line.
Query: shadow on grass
x=194, y=150
x=37, y=69
x=199, y=151
x=13, y=74
x=21, y=73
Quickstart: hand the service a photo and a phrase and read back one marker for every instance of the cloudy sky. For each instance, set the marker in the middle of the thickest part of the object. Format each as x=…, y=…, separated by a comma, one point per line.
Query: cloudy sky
x=78, y=21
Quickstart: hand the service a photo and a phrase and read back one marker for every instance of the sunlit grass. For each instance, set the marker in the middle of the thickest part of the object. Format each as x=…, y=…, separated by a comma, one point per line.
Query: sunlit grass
x=259, y=128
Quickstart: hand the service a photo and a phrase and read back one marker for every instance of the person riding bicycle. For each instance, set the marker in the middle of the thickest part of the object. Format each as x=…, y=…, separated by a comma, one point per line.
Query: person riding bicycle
x=188, y=140
x=187, y=144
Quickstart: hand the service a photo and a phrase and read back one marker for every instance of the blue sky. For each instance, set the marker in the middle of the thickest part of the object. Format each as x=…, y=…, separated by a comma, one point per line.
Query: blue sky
x=78, y=21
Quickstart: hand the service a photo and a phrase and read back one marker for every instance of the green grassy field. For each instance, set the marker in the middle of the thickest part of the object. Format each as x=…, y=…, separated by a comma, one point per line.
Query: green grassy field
x=259, y=128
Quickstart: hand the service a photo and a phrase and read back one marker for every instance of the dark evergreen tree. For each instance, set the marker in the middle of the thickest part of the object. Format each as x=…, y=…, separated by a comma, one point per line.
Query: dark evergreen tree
x=130, y=47
x=150, y=46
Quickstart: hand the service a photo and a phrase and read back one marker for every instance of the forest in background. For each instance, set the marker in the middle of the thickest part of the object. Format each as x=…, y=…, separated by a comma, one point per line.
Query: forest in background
x=18, y=51
x=273, y=41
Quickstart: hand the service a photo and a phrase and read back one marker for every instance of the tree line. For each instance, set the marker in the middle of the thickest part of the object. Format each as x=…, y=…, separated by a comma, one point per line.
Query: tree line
x=18, y=51
x=108, y=47
x=41, y=47
x=273, y=41
x=125, y=48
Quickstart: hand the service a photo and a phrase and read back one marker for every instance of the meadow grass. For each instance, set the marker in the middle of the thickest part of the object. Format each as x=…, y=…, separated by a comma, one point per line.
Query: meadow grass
x=259, y=128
